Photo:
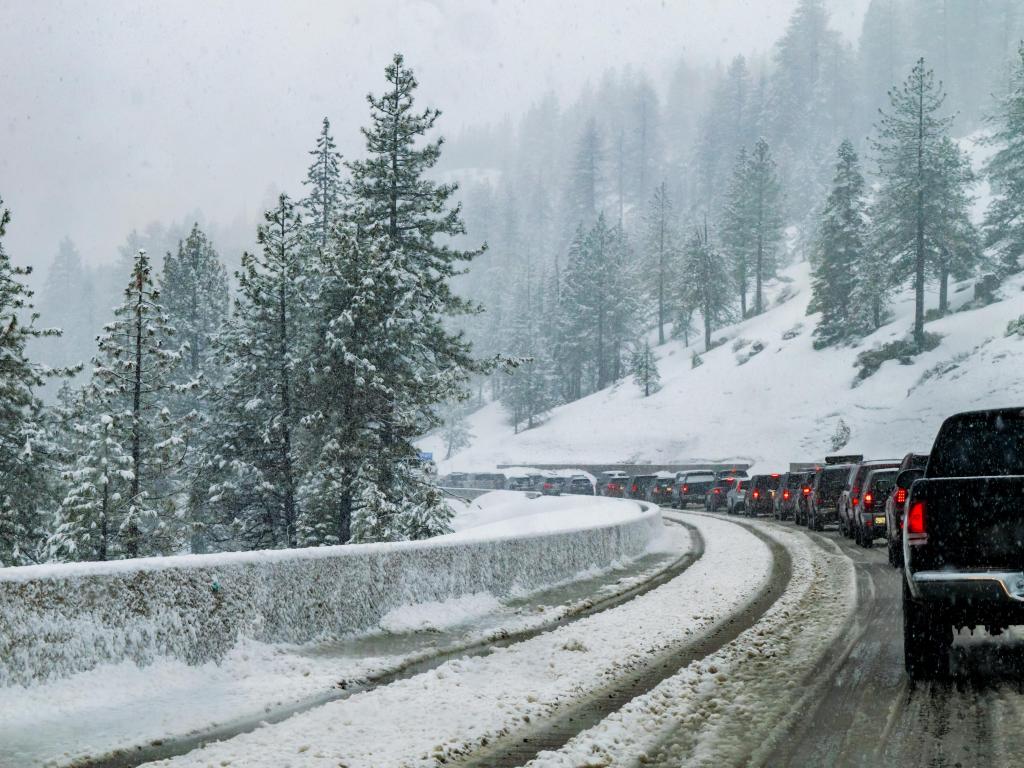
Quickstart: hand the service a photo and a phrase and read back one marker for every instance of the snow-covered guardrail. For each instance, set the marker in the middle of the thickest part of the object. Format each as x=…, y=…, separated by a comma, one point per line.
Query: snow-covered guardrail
x=62, y=619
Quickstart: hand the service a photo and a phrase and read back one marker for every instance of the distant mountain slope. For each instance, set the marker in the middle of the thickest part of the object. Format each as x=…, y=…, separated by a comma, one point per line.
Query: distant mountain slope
x=784, y=403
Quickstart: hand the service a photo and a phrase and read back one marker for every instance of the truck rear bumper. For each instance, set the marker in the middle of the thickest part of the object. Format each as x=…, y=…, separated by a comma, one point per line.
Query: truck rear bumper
x=969, y=588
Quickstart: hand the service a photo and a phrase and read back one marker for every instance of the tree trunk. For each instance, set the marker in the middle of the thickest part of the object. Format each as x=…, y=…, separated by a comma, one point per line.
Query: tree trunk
x=133, y=534
x=919, y=260
x=284, y=384
x=943, y=291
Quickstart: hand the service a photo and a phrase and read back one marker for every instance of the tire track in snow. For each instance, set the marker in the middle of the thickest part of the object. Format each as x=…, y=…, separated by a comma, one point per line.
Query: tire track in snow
x=168, y=748
x=520, y=747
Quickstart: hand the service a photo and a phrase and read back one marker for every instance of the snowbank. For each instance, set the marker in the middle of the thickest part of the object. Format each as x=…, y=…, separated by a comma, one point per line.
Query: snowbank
x=64, y=619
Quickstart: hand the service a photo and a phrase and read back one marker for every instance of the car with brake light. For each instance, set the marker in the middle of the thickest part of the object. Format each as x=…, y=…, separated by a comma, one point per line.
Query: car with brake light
x=786, y=495
x=735, y=499
x=826, y=495
x=692, y=486
x=869, y=522
x=911, y=468
x=716, y=497
x=849, y=501
x=761, y=494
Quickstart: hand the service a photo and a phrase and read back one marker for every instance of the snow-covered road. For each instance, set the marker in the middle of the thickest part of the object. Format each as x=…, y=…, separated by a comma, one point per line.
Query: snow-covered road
x=120, y=714
x=464, y=704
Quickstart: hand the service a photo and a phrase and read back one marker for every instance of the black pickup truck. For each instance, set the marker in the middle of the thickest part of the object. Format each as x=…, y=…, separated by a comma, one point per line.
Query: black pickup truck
x=963, y=537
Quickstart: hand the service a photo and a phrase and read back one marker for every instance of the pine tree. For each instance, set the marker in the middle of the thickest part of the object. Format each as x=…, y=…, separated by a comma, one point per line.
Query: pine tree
x=908, y=146
x=841, y=245
x=27, y=496
x=324, y=204
x=123, y=494
x=738, y=237
x=423, y=363
x=1004, y=220
x=258, y=411
x=583, y=197
x=661, y=248
x=644, y=367
x=728, y=124
x=194, y=293
x=765, y=213
x=705, y=283
x=957, y=247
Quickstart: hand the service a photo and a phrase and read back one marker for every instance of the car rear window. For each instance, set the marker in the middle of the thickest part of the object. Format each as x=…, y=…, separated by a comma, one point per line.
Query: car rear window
x=979, y=444
x=833, y=480
x=703, y=477
x=882, y=484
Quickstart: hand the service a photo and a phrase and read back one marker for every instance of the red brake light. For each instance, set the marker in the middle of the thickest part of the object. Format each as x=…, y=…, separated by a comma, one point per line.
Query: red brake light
x=718, y=490
x=633, y=488
x=757, y=494
x=686, y=489
x=869, y=499
x=901, y=495
x=548, y=485
x=785, y=494
x=916, y=533
x=855, y=501
x=776, y=474
x=807, y=491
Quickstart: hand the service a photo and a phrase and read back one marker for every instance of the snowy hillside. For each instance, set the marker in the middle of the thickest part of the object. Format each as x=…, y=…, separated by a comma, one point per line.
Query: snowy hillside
x=784, y=403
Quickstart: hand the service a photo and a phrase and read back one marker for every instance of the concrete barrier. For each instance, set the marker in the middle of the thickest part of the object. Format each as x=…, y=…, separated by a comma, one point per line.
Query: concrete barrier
x=61, y=619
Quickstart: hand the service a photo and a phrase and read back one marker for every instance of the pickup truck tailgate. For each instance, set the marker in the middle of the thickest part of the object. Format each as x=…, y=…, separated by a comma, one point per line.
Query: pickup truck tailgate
x=972, y=523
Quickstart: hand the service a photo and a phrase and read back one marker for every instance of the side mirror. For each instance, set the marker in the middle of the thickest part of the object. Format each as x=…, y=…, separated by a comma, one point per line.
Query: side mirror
x=906, y=478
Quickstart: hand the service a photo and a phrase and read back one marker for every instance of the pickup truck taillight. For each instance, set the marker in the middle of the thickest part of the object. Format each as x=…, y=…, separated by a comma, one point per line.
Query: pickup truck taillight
x=901, y=496
x=916, y=532
x=869, y=499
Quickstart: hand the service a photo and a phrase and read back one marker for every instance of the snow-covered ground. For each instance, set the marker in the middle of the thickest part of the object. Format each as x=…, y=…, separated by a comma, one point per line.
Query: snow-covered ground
x=430, y=718
x=124, y=705
x=705, y=714
x=784, y=403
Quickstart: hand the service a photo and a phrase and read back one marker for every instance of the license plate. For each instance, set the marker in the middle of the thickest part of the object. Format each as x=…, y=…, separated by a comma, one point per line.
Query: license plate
x=879, y=521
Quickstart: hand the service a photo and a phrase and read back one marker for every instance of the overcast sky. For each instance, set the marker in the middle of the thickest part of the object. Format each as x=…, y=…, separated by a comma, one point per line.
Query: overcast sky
x=114, y=114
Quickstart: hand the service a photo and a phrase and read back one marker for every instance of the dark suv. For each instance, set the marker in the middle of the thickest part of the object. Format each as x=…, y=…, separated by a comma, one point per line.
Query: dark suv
x=640, y=486
x=761, y=494
x=661, y=490
x=826, y=495
x=786, y=495
x=692, y=487
x=802, y=512
x=849, y=502
x=869, y=522
x=716, y=496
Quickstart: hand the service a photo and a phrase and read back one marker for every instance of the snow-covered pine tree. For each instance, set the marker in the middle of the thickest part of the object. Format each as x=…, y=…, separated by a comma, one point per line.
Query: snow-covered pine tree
x=422, y=361
x=958, y=245
x=27, y=495
x=529, y=392
x=123, y=492
x=66, y=302
x=765, y=215
x=324, y=204
x=728, y=124
x=1004, y=219
x=841, y=245
x=258, y=410
x=908, y=147
x=194, y=293
x=705, y=283
x=644, y=367
x=662, y=253
x=583, y=203
x=455, y=432
x=737, y=231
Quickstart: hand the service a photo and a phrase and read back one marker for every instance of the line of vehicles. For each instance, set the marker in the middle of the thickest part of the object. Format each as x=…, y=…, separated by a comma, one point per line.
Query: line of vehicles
x=952, y=521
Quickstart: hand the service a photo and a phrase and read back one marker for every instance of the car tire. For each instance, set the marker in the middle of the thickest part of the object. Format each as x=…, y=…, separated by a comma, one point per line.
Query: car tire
x=926, y=639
